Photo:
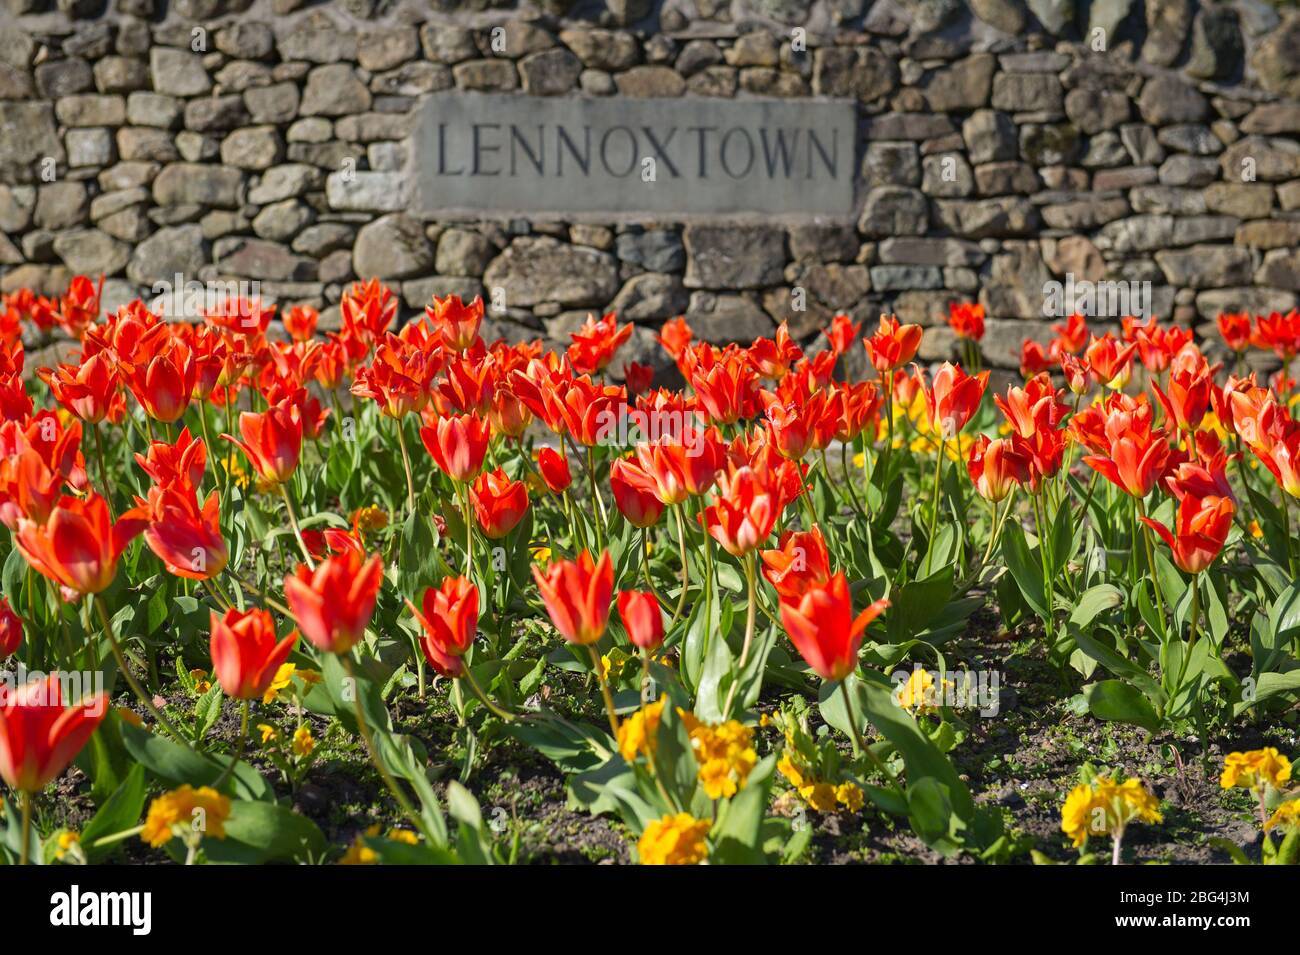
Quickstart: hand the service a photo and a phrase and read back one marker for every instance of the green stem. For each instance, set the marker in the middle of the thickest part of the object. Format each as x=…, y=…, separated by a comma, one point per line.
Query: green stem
x=406, y=467
x=106, y=488
x=604, y=690
x=136, y=688
x=751, y=606
x=483, y=697
x=23, y=852
x=239, y=747
x=934, y=513
x=293, y=523
x=416, y=819
x=681, y=542
x=860, y=741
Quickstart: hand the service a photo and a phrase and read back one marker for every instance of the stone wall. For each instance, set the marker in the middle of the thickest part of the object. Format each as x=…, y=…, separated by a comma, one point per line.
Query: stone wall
x=1004, y=145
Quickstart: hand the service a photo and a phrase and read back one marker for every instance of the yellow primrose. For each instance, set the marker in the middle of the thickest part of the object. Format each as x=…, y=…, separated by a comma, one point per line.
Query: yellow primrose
x=637, y=733
x=67, y=839
x=403, y=835
x=725, y=753
x=369, y=518
x=201, y=682
x=199, y=810
x=359, y=854
x=303, y=744
x=820, y=796
x=267, y=731
x=674, y=840
x=1286, y=815
x=1104, y=807
x=1252, y=769
x=849, y=795
x=283, y=677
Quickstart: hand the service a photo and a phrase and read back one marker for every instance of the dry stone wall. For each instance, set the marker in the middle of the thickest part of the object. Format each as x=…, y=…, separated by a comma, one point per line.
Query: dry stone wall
x=1004, y=146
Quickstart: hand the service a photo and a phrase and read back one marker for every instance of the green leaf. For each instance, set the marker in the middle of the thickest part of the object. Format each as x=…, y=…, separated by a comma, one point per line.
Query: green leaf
x=1024, y=567
x=266, y=832
x=1121, y=702
x=736, y=835
x=176, y=764
x=121, y=811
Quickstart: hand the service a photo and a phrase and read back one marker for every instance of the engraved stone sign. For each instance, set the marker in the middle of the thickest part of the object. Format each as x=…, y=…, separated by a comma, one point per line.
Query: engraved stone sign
x=527, y=154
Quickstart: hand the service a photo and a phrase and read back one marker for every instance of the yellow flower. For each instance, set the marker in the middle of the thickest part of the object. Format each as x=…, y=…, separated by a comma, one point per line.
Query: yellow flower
x=201, y=682
x=764, y=720
x=1287, y=816
x=860, y=459
x=725, y=754
x=674, y=840
x=850, y=796
x=369, y=518
x=918, y=693
x=820, y=796
x=787, y=768
x=403, y=835
x=303, y=744
x=1255, y=530
x=614, y=663
x=1252, y=769
x=67, y=839
x=637, y=733
x=359, y=854
x=541, y=555
x=130, y=716
x=1104, y=807
x=268, y=732
x=234, y=467
x=283, y=677
x=201, y=810
x=309, y=677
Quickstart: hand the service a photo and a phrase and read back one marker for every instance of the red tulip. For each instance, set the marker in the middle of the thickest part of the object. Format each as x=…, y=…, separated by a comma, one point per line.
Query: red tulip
x=996, y=467
x=843, y=332
x=801, y=561
x=163, y=382
x=398, y=377
x=245, y=652
x=744, y=511
x=1201, y=527
x=966, y=320
x=675, y=337
x=449, y=622
x=724, y=388
x=1109, y=364
x=823, y=629
x=790, y=430
x=1136, y=460
x=595, y=343
x=1071, y=338
x=367, y=309
x=953, y=398
x=554, y=467
x=457, y=444
x=1190, y=382
x=635, y=493
x=11, y=630
x=577, y=595
x=78, y=546
x=1235, y=330
x=772, y=357
x=893, y=345
x=642, y=618
x=39, y=735
x=1033, y=358
x=272, y=441
x=456, y=322
x=499, y=503
x=86, y=390
x=333, y=604
x=185, y=537
x=181, y=463
x=300, y=322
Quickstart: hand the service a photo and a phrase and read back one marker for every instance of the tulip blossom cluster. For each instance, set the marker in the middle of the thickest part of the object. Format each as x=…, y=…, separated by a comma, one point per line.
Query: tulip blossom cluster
x=542, y=542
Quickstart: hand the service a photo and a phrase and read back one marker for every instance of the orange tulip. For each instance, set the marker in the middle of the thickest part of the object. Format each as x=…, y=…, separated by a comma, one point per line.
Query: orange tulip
x=1109, y=364
x=577, y=595
x=953, y=398
x=87, y=390
x=181, y=463
x=789, y=427
x=801, y=561
x=499, y=503
x=642, y=618
x=185, y=537
x=966, y=319
x=333, y=604
x=823, y=629
x=1191, y=379
x=300, y=322
x=164, y=381
x=635, y=493
x=724, y=388
x=457, y=445
x=11, y=630
x=449, y=622
x=1136, y=457
x=1200, y=530
x=1235, y=330
x=272, y=441
x=744, y=511
x=893, y=345
x=40, y=735
x=78, y=546
x=456, y=322
x=554, y=467
x=996, y=467
x=595, y=343
x=245, y=652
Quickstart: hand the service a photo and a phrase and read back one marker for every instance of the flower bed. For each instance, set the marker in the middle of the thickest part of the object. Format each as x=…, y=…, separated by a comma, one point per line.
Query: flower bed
x=410, y=596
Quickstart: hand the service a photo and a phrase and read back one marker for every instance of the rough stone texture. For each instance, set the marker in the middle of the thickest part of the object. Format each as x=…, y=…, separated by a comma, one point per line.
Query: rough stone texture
x=998, y=150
